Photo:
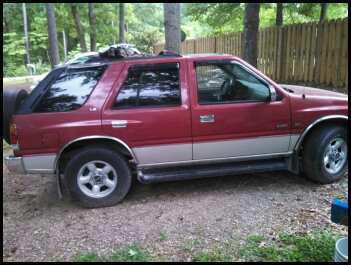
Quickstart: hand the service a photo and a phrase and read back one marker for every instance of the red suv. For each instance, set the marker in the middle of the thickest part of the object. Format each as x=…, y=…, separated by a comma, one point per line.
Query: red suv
x=165, y=118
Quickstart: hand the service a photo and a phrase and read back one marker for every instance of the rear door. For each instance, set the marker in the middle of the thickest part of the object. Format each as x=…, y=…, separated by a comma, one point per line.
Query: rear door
x=149, y=111
x=231, y=114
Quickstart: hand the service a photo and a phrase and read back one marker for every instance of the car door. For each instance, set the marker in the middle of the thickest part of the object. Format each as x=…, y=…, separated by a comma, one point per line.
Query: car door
x=149, y=111
x=232, y=115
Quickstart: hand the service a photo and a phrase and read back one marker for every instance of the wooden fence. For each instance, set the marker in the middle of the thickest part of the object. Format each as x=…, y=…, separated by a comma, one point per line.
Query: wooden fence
x=310, y=53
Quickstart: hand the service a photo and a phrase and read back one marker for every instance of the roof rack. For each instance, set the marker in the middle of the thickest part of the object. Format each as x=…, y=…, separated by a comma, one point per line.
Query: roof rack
x=113, y=54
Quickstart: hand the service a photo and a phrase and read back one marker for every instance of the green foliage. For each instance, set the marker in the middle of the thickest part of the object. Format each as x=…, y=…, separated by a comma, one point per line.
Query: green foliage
x=144, y=25
x=132, y=253
x=317, y=246
x=214, y=255
x=220, y=17
x=88, y=257
x=191, y=244
x=228, y=17
x=163, y=236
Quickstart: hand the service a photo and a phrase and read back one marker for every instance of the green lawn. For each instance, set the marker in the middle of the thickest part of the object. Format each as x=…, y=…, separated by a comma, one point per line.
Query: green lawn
x=313, y=247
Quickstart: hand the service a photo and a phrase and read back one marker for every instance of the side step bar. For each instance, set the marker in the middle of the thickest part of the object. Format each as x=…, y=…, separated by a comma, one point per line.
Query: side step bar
x=214, y=170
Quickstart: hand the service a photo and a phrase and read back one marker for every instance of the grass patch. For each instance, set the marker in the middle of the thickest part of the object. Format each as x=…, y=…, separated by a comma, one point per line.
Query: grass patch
x=88, y=257
x=131, y=253
x=163, y=236
x=313, y=247
x=217, y=254
x=316, y=246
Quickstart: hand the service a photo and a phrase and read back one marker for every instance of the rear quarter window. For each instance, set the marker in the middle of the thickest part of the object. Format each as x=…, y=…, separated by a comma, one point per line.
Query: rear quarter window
x=154, y=85
x=70, y=90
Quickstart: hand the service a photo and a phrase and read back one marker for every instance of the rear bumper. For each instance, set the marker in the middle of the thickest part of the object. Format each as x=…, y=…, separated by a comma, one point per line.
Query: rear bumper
x=15, y=164
x=35, y=164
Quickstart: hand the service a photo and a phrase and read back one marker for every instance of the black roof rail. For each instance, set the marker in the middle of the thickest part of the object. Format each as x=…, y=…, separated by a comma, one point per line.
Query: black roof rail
x=169, y=53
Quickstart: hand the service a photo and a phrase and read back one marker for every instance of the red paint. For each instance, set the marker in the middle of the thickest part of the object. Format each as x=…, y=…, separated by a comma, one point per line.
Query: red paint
x=40, y=133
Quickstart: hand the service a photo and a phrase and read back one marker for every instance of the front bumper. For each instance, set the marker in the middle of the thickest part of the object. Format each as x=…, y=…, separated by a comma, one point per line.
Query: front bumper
x=15, y=164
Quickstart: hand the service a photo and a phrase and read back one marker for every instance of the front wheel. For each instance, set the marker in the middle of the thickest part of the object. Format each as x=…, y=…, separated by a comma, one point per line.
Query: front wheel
x=97, y=177
x=325, y=154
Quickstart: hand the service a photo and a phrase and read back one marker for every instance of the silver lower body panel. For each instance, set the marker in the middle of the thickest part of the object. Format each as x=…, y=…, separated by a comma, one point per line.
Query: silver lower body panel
x=35, y=164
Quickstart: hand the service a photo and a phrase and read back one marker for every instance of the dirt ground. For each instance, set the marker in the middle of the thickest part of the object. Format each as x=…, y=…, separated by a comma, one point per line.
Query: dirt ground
x=37, y=226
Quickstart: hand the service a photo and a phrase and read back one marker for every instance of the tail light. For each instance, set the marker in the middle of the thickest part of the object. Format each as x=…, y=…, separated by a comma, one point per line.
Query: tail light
x=13, y=134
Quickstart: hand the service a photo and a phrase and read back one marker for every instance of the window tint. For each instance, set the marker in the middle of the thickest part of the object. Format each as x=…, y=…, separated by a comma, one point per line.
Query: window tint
x=228, y=82
x=150, y=85
x=70, y=90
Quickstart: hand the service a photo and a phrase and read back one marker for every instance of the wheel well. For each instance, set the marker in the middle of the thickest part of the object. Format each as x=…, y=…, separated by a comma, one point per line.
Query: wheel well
x=107, y=143
x=320, y=125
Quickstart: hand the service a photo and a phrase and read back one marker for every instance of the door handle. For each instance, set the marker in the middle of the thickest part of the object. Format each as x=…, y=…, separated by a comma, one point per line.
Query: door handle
x=119, y=123
x=207, y=118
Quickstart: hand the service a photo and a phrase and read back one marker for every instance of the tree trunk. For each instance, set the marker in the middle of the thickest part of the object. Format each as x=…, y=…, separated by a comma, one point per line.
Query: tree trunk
x=172, y=26
x=251, y=23
x=79, y=27
x=92, y=22
x=324, y=7
x=53, y=46
x=121, y=23
x=25, y=24
x=279, y=18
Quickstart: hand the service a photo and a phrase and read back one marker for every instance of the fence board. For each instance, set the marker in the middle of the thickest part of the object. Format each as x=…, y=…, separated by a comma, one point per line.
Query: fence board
x=323, y=71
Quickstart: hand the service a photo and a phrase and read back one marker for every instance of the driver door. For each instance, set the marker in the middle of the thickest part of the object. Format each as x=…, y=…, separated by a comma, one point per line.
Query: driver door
x=232, y=114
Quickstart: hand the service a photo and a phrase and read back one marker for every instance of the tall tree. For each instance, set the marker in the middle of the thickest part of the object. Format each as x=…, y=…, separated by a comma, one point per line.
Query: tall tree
x=92, y=22
x=279, y=17
x=251, y=23
x=25, y=24
x=121, y=23
x=53, y=46
x=323, y=15
x=79, y=27
x=172, y=26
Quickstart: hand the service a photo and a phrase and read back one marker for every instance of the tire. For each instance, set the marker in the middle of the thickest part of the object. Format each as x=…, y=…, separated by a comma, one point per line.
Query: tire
x=80, y=160
x=13, y=99
x=316, y=167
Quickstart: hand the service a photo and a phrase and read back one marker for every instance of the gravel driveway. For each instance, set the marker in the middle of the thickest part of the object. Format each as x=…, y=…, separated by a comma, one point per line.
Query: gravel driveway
x=37, y=226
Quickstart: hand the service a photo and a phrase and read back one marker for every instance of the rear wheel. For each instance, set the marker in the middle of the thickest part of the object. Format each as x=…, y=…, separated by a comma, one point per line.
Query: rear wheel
x=97, y=177
x=325, y=154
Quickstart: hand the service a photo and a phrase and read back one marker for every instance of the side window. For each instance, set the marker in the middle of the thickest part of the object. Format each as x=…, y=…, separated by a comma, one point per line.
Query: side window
x=228, y=82
x=69, y=91
x=150, y=85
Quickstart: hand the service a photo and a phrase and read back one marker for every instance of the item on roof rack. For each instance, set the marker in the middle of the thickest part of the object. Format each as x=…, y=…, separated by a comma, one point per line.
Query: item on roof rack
x=120, y=51
x=168, y=53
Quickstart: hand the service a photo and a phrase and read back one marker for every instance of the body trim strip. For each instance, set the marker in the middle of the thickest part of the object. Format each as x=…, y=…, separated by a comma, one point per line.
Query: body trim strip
x=247, y=146
x=329, y=117
x=215, y=160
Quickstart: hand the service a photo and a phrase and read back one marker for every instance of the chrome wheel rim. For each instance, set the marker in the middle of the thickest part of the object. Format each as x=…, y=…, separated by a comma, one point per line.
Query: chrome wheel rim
x=97, y=179
x=335, y=155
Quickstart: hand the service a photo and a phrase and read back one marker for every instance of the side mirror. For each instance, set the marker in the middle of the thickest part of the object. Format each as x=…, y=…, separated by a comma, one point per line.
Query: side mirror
x=273, y=93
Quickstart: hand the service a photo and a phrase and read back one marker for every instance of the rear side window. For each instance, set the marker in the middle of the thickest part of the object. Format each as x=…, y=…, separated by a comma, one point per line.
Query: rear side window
x=70, y=90
x=150, y=85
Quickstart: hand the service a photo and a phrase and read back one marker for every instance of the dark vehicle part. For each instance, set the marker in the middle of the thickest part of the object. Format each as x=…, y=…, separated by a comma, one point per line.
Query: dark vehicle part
x=325, y=156
x=85, y=163
x=13, y=98
x=119, y=51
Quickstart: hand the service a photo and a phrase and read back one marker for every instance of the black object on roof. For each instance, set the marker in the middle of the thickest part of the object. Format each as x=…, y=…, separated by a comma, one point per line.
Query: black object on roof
x=169, y=53
x=127, y=51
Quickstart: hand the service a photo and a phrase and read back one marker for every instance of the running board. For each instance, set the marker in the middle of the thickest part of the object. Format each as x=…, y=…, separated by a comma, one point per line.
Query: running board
x=213, y=170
